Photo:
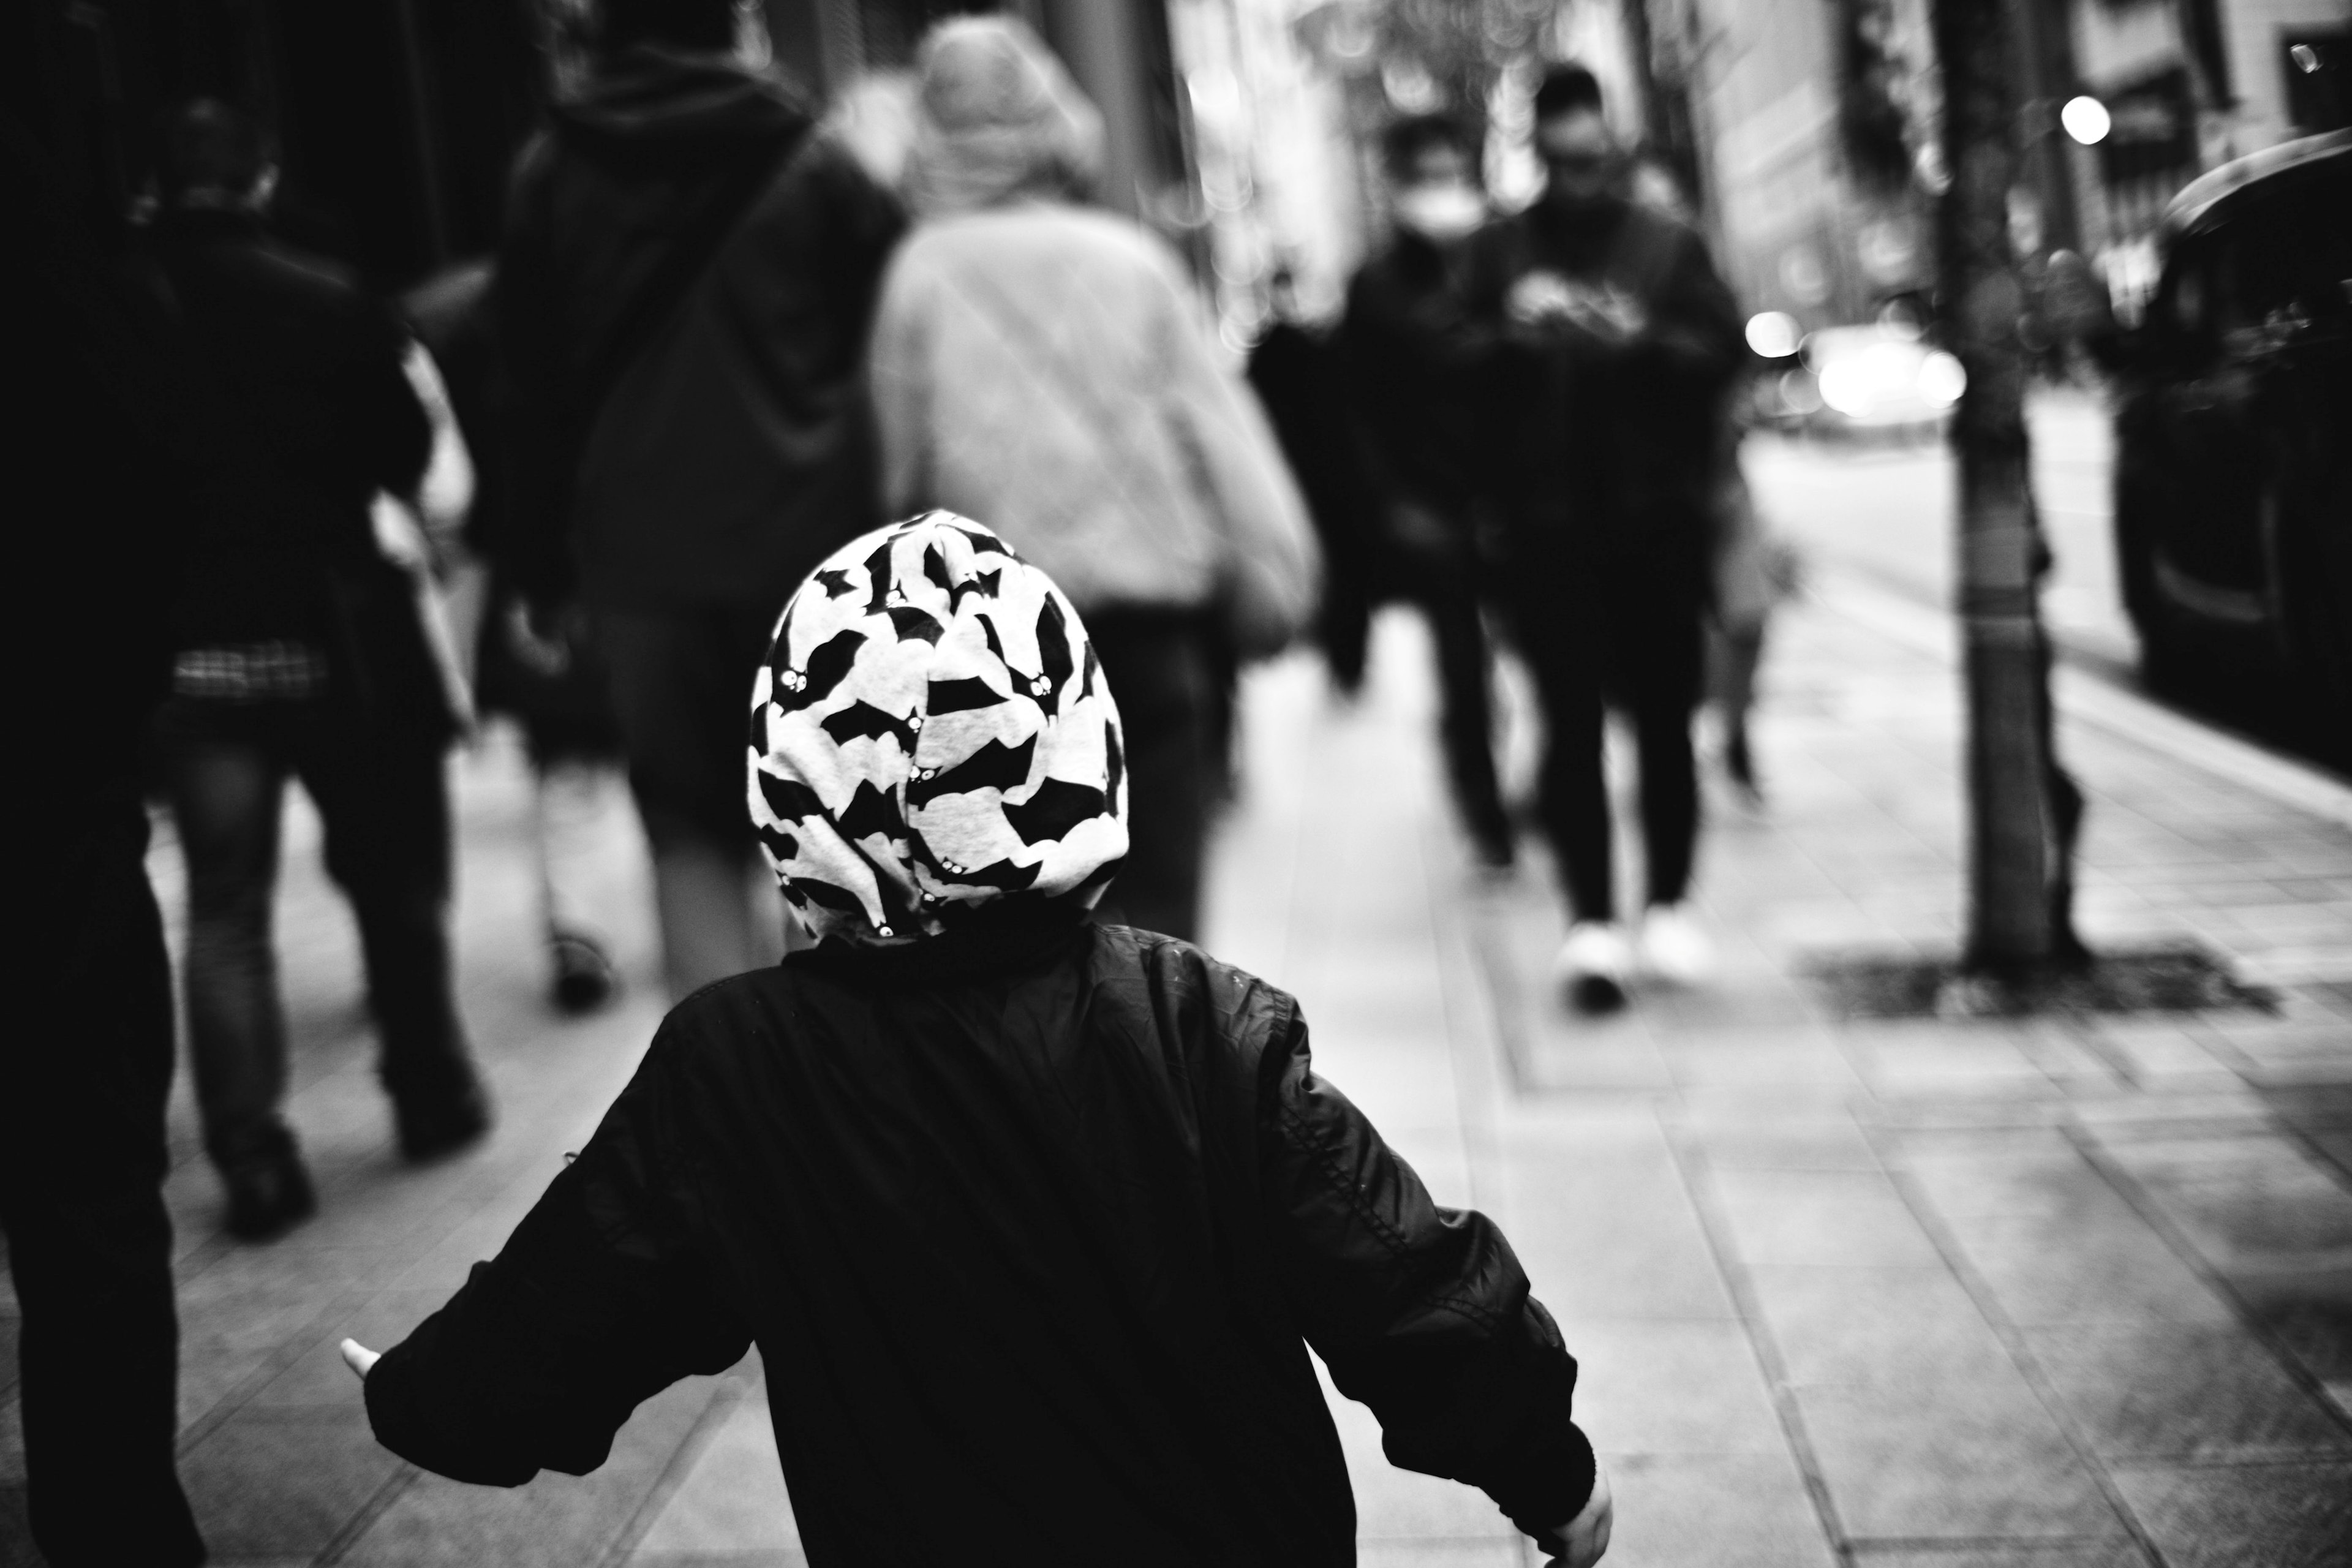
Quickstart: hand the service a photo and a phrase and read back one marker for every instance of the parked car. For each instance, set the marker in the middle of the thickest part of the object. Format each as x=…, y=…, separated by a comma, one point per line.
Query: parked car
x=2234, y=423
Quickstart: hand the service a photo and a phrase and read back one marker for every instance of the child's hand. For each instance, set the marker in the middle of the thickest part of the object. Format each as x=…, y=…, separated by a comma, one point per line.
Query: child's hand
x=359, y=1358
x=1580, y=1542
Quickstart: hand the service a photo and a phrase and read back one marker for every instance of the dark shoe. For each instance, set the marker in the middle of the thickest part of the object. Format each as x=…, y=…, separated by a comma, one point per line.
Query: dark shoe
x=269, y=1199
x=585, y=980
x=444, y=1125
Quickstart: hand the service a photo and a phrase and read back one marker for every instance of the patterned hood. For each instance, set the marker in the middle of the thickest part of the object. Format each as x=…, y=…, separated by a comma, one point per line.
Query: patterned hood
x=931, y=737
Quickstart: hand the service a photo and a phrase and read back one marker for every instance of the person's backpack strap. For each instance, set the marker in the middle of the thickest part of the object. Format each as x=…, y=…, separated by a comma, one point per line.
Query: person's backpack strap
x=665, y=287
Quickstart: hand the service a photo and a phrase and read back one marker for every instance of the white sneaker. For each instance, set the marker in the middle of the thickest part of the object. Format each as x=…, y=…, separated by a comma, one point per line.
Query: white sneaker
x=1591, y=966
x=1674, y=948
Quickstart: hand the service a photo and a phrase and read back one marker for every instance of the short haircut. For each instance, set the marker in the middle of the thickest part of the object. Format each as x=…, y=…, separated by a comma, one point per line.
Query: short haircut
x=1567, y=89
x=211, y=145
x=690, y=24
x=1403, y=142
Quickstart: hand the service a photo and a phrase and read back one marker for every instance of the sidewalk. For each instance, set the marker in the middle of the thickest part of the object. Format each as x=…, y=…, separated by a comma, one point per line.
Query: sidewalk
x=2057, y=1293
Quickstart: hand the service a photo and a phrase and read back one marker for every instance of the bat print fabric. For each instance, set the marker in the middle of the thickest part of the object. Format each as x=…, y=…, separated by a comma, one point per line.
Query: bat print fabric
x=930, y=736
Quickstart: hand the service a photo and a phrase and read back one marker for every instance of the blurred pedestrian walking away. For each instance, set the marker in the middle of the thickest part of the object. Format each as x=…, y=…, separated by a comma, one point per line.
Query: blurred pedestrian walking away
x=1033, y=1219
x=683, y=299
x=99, y=461
x=546, y=677
x=1294, y=369
x=1046, y=365
x=301, y=653
x=1411, y=357
x=1621, y=344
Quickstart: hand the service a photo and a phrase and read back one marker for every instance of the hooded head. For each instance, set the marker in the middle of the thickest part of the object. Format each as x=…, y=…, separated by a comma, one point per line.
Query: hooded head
x=997, y=118
x=932, y=740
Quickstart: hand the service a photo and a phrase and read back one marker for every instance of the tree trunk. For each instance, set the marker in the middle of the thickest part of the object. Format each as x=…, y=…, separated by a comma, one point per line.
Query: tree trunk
x=2022, y=810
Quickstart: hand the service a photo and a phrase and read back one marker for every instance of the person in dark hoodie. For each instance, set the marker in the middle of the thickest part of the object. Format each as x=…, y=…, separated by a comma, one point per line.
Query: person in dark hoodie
x=683, y=297
x=1033, y=1219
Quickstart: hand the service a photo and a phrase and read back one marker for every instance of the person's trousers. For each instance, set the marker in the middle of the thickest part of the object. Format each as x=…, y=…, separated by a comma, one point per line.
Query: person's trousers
x=383, y=801
x=681, y=687
x=1443, y=586
x=1630, y=638
x=1161, y=667
x=82, y=1167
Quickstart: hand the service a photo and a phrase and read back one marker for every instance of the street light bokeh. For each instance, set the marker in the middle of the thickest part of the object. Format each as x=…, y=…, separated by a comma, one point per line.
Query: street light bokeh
x=2086, y=119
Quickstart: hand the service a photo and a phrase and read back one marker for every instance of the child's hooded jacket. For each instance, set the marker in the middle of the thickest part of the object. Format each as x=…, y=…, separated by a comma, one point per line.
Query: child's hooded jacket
x=1032, y=1219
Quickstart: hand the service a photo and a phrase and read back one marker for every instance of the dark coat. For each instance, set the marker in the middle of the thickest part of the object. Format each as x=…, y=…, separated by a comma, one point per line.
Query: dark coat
x=1411, y=356
x=1033, y=1229
x=1609, y=455
x=299, y=401
x=683, y=297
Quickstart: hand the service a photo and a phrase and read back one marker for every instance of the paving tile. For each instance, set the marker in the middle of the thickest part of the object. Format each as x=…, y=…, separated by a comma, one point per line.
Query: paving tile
x=2193, y=1391
x=1833, y=1218
x=1963, y=1461
x=283, y=1482
x=2100, y=1554
x=732, y=1497
x=1670, y=1388
x=2118, y=1270
x=1827, y=1144
x=2275, y=1208
x=319, y=1377
x=1712, y=1511
x=2309, y=1313
x=2232, y=1516
x=1610, y=1239
x=1885, y=1327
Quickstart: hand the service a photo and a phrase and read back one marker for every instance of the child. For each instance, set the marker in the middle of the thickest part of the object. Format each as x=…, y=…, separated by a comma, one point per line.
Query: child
x=1033, y=1220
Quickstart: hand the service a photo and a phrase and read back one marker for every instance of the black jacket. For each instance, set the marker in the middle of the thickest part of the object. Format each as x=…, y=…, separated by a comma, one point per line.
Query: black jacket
x=1032, y=1233
x=1609, y=455
x=1411, y=357
x=683, y=297
x=301, y=398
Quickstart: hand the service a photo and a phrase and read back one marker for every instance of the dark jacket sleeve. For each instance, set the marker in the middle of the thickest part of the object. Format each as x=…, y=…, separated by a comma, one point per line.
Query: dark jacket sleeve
x=1420, y=1312
x=599, y=1300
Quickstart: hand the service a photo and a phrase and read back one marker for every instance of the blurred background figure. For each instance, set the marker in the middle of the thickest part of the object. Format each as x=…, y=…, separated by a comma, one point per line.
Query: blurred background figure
x=1294, y=369
x=547, y=678
x=1755, y=570
x=683, y=297
x=100, y=454
x=1043, y=367
x=301, y=653
x=1411, y=362
x=1625, y=342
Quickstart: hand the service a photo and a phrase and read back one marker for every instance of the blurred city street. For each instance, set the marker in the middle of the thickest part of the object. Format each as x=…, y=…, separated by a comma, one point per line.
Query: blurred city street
x=2066, y=1290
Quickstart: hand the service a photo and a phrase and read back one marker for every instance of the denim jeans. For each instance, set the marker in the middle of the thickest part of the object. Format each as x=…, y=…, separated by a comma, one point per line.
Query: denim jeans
x=385, y=801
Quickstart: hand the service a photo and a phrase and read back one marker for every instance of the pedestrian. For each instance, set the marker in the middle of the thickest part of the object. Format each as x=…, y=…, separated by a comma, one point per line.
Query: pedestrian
x=99, y=465
x=683, y=299
x=1032, y=1218
x=1044, y=363
x=1619, y=345
x=1294, y=369
x=1755, y=570
x=301, y=653
x=546, y=677
x=1409, y=354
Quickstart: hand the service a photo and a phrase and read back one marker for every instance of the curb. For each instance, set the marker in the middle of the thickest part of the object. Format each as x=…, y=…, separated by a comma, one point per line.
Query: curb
x=2084, y=696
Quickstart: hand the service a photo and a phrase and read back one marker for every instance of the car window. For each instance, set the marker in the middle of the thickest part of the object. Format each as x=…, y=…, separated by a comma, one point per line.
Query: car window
x=2181, y=316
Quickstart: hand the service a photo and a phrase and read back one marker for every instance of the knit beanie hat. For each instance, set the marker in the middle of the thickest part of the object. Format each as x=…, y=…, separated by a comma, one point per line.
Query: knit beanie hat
x=996, y=117
x=931, y=738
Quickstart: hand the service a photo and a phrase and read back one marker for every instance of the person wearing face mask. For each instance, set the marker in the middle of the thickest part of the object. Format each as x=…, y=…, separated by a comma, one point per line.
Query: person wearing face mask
x=1618, y=343
x=1408, y=355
